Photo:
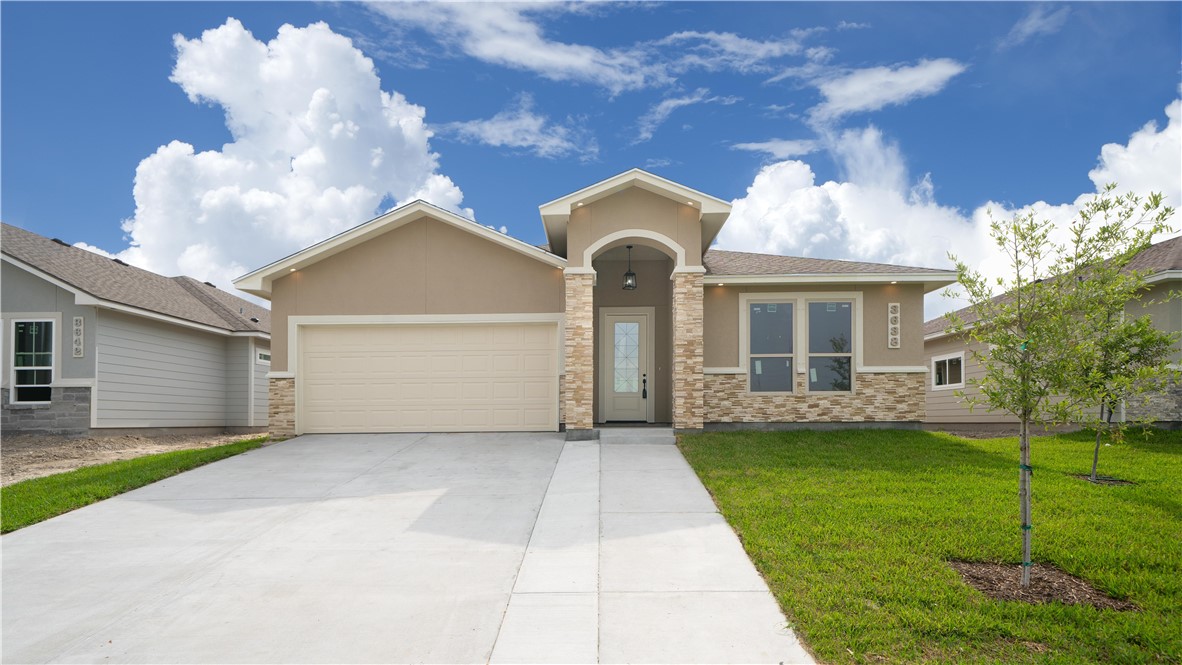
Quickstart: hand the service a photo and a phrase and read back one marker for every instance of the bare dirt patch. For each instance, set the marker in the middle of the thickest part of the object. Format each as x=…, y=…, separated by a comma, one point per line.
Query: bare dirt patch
x=24, y=456
x=1047, y=584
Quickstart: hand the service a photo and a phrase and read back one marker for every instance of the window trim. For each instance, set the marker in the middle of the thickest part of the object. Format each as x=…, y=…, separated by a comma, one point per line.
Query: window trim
x=942, y=358
x=850, y=354
x=10, y=356
x=800, y=332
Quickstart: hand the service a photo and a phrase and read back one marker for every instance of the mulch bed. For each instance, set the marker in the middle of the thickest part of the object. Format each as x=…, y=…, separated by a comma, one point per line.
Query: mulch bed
x=1047, y=584
x=1103, y=480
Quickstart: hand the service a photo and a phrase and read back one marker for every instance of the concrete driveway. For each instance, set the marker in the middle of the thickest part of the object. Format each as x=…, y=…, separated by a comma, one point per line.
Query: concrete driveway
x=442, y=548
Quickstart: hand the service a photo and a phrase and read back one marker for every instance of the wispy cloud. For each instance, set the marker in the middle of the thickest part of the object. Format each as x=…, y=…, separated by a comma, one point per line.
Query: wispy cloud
x=781, y=148
x=659, y=163
x=848, y=25
x=508, y=35
x=512, y=35
x=660, y=112
x=520, y=128
x=1040, y=20
x=877, y=87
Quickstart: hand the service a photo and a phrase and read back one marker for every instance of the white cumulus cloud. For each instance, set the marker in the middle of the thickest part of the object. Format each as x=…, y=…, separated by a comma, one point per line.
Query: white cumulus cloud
x=520, y=127
x=317, y=147
x=879, y=213
x=874, y=88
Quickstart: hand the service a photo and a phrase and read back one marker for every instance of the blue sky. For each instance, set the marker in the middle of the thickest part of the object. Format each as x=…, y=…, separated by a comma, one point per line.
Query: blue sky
x=875, y=131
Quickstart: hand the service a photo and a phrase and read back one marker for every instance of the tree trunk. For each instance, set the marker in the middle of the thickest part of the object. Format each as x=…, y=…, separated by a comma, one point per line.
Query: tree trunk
x=1024, y=496
x=1099, y=434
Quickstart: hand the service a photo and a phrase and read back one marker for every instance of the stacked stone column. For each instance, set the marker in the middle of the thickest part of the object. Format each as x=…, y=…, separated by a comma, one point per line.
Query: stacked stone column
x=688, y=407
x=281, y=408
x=579, y=380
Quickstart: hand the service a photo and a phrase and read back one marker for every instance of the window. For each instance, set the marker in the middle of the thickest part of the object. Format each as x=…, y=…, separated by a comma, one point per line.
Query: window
x=265, y=357
x=770, y=347
x=831, y=357
x=948, y=371
x=32, y=361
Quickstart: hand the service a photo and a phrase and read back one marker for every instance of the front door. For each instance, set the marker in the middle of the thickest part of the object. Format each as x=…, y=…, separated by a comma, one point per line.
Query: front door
x=627, y=376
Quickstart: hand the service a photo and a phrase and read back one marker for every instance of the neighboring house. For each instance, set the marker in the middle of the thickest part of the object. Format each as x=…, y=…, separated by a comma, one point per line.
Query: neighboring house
x=421, y=320
x=951, y=367
x=89, y=343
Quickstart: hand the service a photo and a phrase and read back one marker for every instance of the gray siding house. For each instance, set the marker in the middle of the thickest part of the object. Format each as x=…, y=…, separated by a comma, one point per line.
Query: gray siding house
x=951, y=367
x=88, y=343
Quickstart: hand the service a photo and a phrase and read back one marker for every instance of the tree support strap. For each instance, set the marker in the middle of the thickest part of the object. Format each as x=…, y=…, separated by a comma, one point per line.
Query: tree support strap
x=1026, y=467
x=1027, y=564
x=1027, y=527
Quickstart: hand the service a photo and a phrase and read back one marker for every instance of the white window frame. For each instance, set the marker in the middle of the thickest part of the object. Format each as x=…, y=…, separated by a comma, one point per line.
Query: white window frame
x=799, y=301
x=944, y=358
x=54, y=352
x=808, y=355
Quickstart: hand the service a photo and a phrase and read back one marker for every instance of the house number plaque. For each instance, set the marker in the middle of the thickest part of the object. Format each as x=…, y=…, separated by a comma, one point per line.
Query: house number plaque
x=78, y=336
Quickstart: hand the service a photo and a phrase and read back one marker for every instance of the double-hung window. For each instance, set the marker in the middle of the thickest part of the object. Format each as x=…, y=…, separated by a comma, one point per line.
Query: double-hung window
x=770, y=347
x=830, y=358
x=948, y=371
x=32, y=361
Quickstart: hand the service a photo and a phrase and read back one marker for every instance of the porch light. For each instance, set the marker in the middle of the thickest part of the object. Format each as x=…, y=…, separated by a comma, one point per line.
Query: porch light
x=629, y=277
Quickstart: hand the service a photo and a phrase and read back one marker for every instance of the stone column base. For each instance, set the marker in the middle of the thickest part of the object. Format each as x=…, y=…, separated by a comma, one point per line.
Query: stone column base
x=281, y=408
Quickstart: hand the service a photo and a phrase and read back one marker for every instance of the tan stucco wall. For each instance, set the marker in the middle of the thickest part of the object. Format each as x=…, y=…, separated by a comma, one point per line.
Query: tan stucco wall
x=634, y=209
x=722, y=321
x=422, y=267
x=654, y=289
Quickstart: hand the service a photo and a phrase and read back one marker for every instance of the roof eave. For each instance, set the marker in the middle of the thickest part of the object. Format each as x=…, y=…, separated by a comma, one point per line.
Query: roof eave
x=258, y=282
x=931, y=281
x=86, y=299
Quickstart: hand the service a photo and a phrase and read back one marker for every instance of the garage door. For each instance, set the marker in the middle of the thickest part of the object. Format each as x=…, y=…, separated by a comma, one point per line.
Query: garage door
x=428, y=378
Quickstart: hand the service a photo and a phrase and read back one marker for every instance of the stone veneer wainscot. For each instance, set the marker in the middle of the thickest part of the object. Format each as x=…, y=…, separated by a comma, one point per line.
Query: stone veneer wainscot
x=281, y=407
x=878, y=397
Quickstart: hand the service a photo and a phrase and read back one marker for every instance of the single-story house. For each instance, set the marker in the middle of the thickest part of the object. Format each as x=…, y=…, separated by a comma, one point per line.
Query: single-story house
x=951, y=367
x=421, y=320
x=90, y=343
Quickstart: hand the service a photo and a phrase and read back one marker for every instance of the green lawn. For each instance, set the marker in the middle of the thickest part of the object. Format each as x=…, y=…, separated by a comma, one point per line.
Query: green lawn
x=852, y=529
x=38, y=499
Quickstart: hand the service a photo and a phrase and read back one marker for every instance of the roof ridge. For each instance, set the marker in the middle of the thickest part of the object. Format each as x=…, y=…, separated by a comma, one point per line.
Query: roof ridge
x=196, y=288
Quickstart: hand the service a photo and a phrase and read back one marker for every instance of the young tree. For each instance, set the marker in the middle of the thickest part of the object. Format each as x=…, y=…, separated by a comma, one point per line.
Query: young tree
x=1121, y=357
x=1035, y=334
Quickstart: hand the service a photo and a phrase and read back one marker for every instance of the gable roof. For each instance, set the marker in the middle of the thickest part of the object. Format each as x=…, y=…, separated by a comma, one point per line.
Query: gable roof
x=1162, y=260
x=712, y=211
x=259, y=281
x=745, y=267
x=98, y=280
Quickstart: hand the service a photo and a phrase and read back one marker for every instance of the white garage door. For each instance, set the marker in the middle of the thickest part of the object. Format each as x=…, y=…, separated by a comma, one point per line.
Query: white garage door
x=428, y=378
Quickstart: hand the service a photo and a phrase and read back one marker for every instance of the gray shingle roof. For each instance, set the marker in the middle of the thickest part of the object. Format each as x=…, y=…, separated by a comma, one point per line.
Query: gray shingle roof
x=1158, y=257
x=720, y=262
x=180, y=297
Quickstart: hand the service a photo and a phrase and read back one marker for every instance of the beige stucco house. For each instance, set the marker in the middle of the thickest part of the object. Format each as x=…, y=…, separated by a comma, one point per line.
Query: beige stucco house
x=952, y=367
x=421, y=320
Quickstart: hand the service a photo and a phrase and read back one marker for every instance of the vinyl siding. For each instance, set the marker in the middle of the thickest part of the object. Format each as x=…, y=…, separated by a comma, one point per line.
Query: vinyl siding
x=158, y=375
x=260, y=384
x=943, y=406
x=238, y=387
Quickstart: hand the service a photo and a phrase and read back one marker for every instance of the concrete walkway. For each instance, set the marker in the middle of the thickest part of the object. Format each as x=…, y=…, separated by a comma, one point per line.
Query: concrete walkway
x=400, y=548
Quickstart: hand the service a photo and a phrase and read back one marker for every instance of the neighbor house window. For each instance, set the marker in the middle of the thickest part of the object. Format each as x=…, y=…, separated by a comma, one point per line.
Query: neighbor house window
x=770, y=347
x=265, y=357
x=831, y=356
x=948, y=371
x=32, y=361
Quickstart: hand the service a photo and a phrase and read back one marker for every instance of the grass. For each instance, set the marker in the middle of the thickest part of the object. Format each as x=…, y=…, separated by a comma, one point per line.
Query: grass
x=38, y=499
x=852, y=531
